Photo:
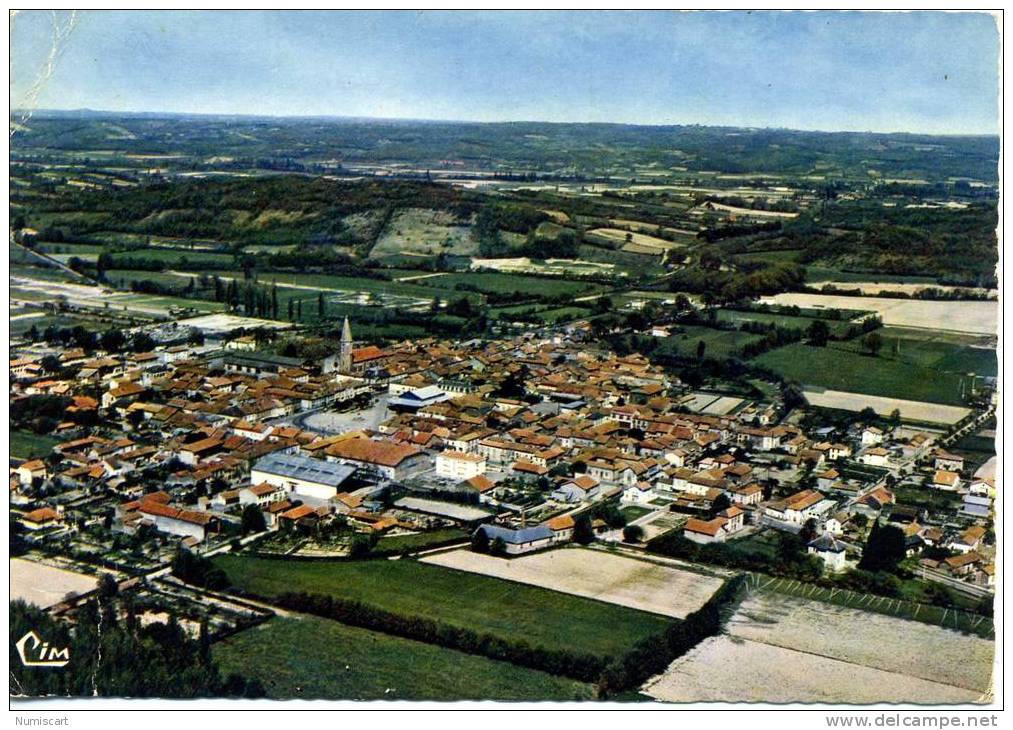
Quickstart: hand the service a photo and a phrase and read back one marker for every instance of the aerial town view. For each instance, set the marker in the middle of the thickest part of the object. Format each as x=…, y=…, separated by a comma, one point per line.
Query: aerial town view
x=328, y=401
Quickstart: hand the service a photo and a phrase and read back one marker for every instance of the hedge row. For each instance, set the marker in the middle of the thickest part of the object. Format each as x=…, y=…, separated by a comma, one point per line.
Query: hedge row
x=583, y=667
x=653, y=655
x=647, y=658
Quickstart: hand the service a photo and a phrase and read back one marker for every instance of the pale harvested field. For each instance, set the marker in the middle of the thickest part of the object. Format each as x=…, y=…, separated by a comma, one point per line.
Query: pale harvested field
x=746, y=212
x=638, y=239
x=43, y=585
x=921, y=650
x=728, y=669
x=595, y=574
x=785, y=649
x=909, y=409
x=227, y=322
x=969, y=317
x=643, y=227
x=875, y=287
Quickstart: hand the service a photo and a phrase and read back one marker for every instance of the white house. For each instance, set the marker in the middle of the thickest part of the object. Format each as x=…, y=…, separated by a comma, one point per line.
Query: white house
x=639, y=493
x=948, y=462
x=30, y=470
x=969, y=540
x=948, y=481
x=797, y=508
x=828, y=549
x=579, y=489
x=176, y=521
x=261, y=494
x=876, y=456
x=734, y=517
x=459, y=465
x=706, y=532
x=871, y=436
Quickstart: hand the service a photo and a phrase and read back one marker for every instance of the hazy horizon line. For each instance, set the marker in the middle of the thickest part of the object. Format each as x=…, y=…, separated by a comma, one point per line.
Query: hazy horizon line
x=434, y=120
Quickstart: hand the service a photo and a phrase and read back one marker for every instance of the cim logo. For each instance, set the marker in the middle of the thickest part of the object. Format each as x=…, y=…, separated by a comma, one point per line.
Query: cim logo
x=35, y=652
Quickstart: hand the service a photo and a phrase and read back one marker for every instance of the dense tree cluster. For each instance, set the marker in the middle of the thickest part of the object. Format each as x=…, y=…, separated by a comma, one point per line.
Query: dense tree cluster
x=113, y=656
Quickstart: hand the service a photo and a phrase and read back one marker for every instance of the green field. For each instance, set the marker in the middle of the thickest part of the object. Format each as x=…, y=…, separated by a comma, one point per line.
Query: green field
x=23, y=324
x=544, y=314
x=27, y=445
x=314, y=658
x=837, y=327
x=513, y=611
x=939, y=352
x=718, y=343
x=351, y=284
x=816, y=274
x=43, y=273
x=838, y=367
x=173, y=258
x=489, y=283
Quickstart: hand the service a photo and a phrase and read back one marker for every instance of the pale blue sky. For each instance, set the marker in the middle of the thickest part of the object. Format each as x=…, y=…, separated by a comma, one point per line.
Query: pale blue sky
x=920, y=72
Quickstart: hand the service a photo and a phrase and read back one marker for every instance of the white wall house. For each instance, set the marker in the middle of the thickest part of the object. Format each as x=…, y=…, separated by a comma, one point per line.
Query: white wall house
x=458, y=465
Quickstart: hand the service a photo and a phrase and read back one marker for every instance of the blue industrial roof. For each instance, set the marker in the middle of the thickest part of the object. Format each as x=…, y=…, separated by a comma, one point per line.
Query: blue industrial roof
x=516, y=537
x=304, y=467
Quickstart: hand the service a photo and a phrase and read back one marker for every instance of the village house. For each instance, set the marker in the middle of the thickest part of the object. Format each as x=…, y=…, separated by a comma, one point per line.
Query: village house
x=262, y=494
x=459, y=465
x=562, y=528
x=383, y=458
x=638, y=493
x=734, y=517
x=29, y=471
x=748, y=494
x=797, y=508
x=581, y=488
x=962, y=565
x=830, y=550
x=871, y=436
x=704, y=532
x=176, y=521
x=875, y=456
x=945, y=461
x=969, y=540
x=41, y=518
x=523, y=540
x=948, y=481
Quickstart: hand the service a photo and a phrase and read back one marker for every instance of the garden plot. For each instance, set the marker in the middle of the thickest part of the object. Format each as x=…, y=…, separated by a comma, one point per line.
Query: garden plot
x=595, y=574
x=662, y=523
x=779, y=648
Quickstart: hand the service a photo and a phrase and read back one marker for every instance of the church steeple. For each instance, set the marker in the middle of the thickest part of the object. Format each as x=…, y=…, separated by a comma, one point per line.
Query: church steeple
x=345, y=364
